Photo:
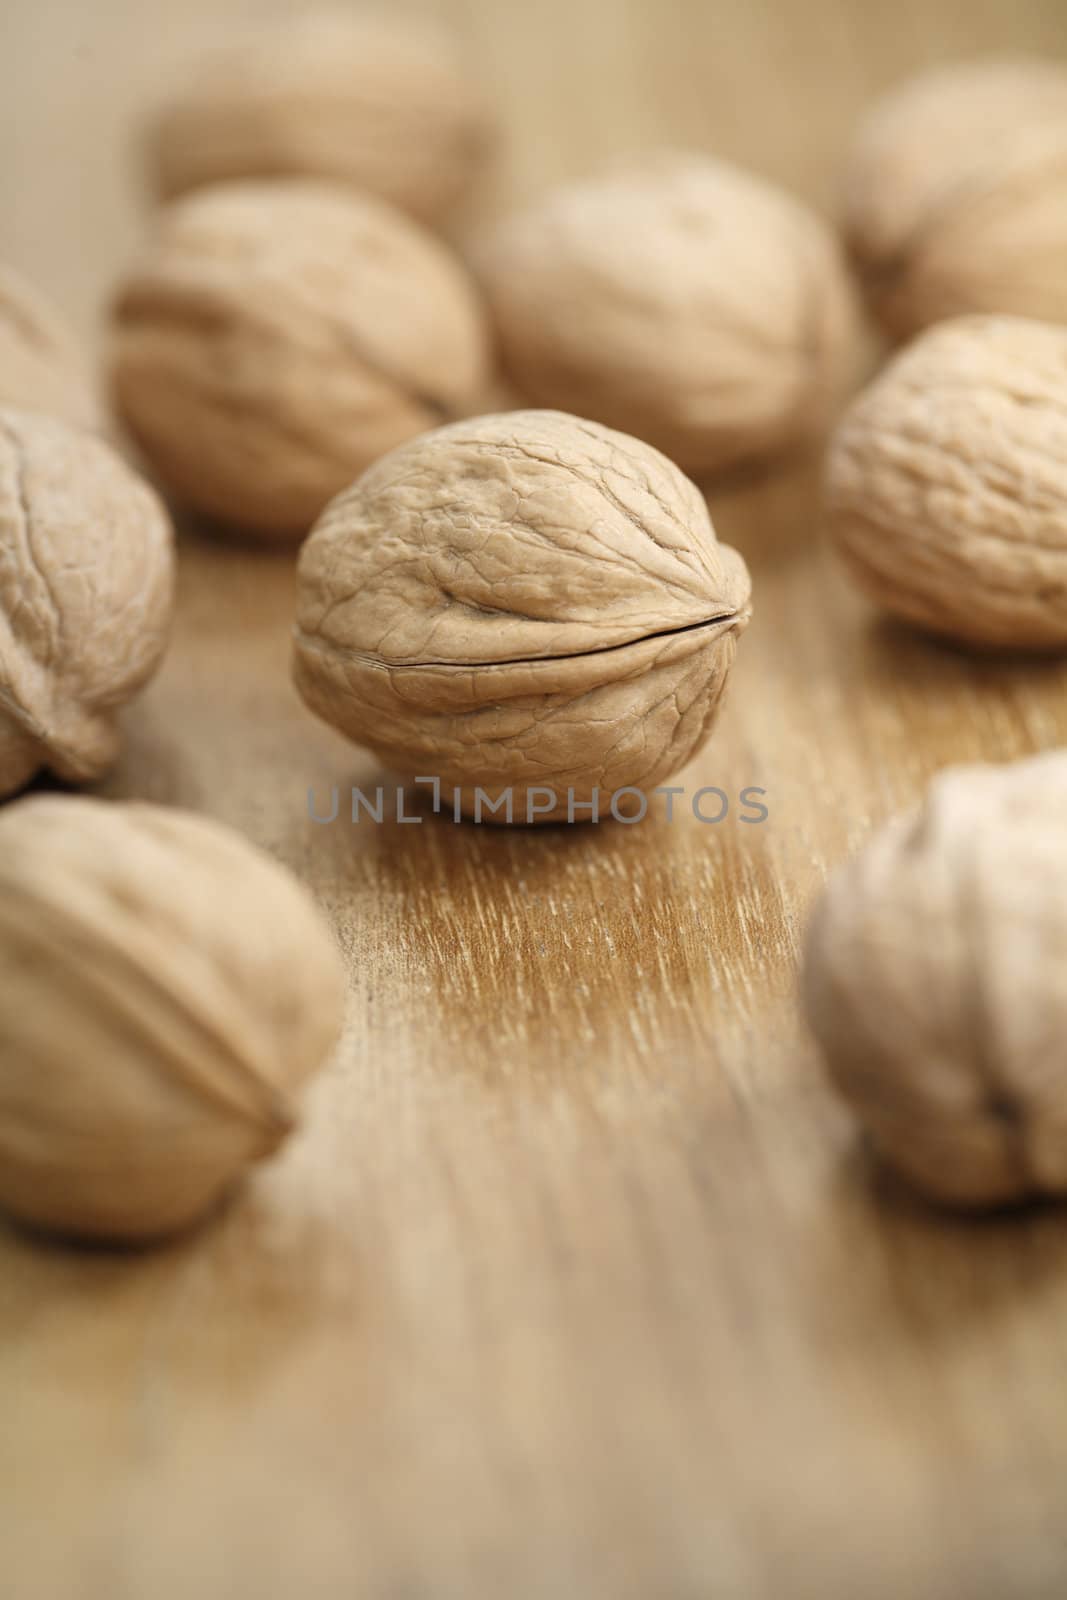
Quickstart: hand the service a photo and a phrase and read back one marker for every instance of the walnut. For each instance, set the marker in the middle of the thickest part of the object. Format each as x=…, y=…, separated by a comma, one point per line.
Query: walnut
x=381, y=103
x=40, y=368
x=166, y=988
x=933, y=980
x=516, y=603
x=280, y=336
x=946, y=485
x=686, y=302
x=86, y=589
x=956, y=196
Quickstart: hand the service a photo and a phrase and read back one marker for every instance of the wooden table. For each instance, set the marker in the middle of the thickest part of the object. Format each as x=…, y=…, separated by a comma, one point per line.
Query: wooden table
x=577, y=1281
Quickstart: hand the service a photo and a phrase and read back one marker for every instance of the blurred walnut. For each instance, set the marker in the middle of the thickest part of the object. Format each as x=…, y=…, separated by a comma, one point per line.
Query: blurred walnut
x=687, y=302
x=278, y=337
x=947, y=483
x=86, y=588
x=521, y=601
x=933, y=981
x=381, y=103
x=956, y=197
x=166, y=988
x=40, y=369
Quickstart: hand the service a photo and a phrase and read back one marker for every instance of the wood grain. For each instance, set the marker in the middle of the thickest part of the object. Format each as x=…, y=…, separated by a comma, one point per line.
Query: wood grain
x=577, y=1281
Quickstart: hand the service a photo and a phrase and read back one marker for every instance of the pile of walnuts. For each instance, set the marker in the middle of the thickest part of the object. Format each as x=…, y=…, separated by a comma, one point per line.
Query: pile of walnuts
x=510, y=600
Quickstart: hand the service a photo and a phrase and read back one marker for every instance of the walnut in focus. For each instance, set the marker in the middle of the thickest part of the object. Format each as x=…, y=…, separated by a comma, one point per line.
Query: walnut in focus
x=40, y=367
x=382, y=103
x=956, y=196
x=946, y=484
x=934, y=983
x=86, y=593
x=686, y=302
x=519, y=602
x=166, y=990
x=277, y=337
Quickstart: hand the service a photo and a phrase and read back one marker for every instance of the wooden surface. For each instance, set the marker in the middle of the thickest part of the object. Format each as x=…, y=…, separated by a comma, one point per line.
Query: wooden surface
x=577, y=1283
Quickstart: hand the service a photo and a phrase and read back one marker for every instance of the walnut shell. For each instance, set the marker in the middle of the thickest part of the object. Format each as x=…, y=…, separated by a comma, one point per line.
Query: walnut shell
x=933, y=981
x=519, y=601
x=278, y=337
x=687, y=303
x=946, y=485
x=86, y=594
x=956, y=196
x=166, y=989
x=40, y=367
x=381, y=103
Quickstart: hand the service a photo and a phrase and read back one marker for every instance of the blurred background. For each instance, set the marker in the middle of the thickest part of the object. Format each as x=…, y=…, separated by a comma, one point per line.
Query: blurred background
x=776, y=85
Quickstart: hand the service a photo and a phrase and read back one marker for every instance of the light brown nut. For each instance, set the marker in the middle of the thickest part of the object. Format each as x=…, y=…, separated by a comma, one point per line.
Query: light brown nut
x=933, y=981
x=946, y=485
x=521, y=601
x=956, y=196
x=384, y=104
x=166, y=990
x=86, y=593
x=688, y=303
x=278, y=337
x=40, y=367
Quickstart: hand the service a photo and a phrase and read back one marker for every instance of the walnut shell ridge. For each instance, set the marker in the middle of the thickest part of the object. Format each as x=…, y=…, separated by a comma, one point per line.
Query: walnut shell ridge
x=519, y=601
x=278, y=336
x=933, y=982
x=955, y=198
x=167, y=990
x=41, y=368
x=382, y=104
x=86, y=595
x=946, y=484
x=684, y=302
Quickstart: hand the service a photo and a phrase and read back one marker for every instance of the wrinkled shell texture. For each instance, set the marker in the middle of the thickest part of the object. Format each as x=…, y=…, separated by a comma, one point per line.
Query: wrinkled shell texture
x=166, y=989
x=278, y=337
x=686, y=303
x=946, y=488
x=40, y=369
x=384, y=105
x=934, y=982
x=521, y=600
x=956, y=196
x=86, y=594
